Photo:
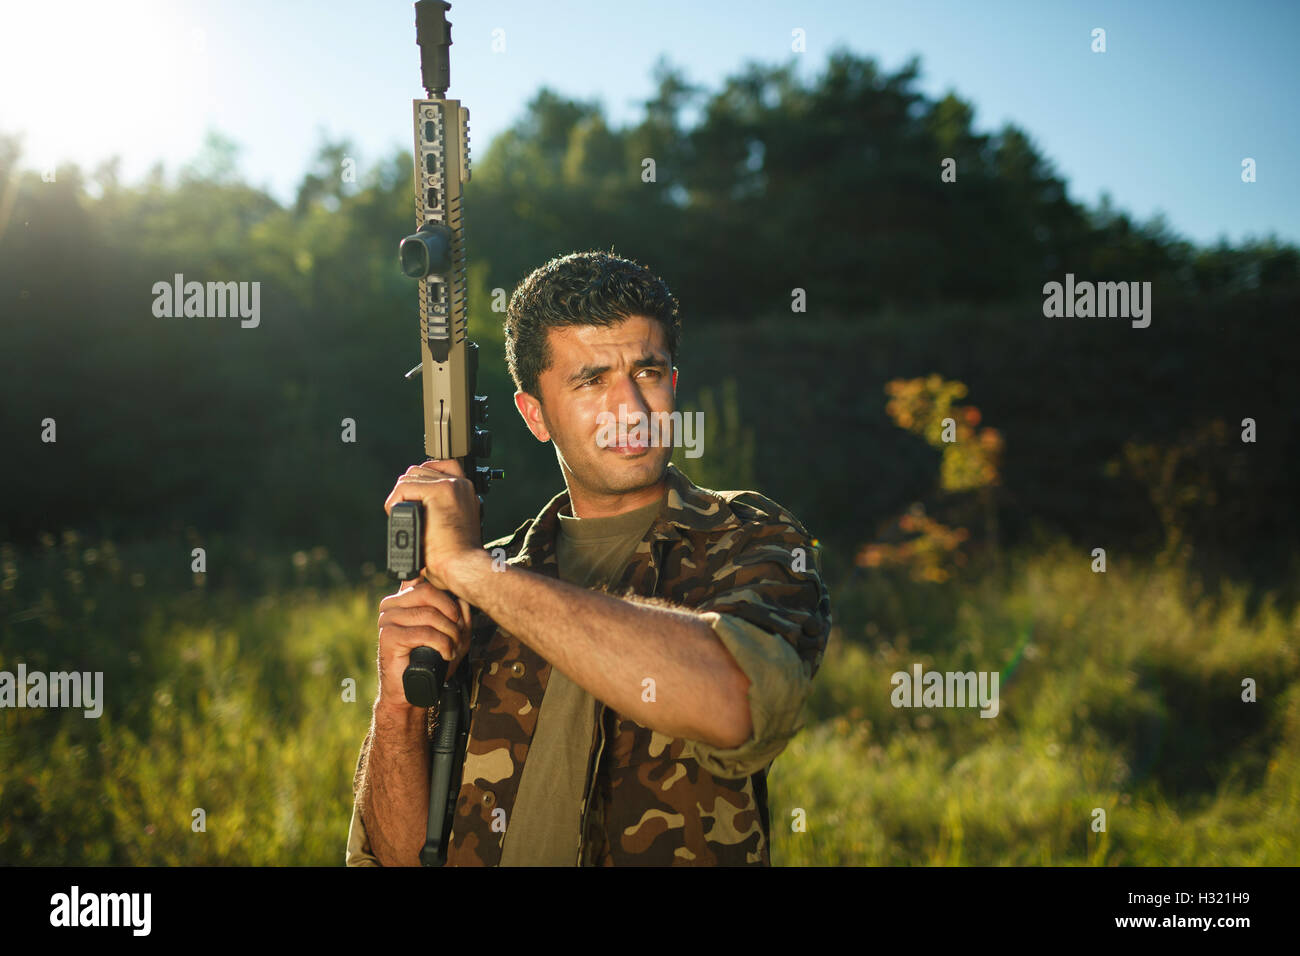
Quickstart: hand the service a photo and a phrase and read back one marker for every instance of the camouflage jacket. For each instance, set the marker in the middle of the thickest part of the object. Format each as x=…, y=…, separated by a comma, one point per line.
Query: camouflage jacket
x=750, y=567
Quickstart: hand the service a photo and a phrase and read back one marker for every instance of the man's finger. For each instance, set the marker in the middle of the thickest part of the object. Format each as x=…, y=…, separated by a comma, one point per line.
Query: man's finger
x=446, y=466
x=410, y=636
x=466, y=615
x=404, y=490
x=424, y=594
x=420, y=617
x=436, y=468
x=407, y=485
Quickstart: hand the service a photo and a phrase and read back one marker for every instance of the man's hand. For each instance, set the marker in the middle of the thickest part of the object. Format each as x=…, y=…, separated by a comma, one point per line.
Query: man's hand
x=418, y=615
x=451, y=515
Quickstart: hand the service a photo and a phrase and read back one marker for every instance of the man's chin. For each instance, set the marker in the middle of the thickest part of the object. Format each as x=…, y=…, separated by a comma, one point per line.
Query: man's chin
x=628, y=472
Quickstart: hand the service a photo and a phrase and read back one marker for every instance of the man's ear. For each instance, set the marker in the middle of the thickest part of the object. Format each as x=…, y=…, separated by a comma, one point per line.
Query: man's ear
x=530, y=409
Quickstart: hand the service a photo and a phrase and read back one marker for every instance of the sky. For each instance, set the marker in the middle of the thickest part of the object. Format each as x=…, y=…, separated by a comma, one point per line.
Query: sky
x=1161, y=120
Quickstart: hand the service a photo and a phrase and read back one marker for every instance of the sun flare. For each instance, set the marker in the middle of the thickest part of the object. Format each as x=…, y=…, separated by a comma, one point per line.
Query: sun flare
x=82, y=81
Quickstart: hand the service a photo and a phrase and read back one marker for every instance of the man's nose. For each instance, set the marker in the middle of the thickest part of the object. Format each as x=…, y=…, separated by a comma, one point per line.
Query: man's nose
x=625, y=392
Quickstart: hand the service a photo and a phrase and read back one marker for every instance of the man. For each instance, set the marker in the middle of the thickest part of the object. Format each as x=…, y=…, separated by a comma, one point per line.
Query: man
x=641, y=654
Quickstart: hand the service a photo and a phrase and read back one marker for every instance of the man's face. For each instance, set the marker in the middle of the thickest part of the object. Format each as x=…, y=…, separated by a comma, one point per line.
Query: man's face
x=593, y=370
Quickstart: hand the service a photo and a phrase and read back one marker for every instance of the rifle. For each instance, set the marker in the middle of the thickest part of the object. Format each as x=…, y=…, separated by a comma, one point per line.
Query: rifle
x=435, y=256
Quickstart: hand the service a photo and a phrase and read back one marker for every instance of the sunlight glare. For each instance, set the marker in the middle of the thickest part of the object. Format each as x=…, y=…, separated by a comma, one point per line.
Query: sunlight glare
x=84, y=80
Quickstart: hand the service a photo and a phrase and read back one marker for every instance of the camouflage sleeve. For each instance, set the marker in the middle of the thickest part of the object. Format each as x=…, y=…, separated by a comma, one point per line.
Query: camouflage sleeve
x=771, y=610
x=779, y=684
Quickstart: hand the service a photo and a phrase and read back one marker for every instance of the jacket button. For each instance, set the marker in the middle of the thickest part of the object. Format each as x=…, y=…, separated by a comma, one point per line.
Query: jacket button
x=517, y=668
x=489, y=798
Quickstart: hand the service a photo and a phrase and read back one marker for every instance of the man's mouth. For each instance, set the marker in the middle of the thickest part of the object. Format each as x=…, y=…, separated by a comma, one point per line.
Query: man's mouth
x=630, y=449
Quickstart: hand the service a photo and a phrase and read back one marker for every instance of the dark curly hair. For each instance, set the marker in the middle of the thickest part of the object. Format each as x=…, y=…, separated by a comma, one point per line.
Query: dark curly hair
x=582, y=288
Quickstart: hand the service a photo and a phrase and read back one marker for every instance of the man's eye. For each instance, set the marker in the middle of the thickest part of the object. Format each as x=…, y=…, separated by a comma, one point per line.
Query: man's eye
x=652, y=371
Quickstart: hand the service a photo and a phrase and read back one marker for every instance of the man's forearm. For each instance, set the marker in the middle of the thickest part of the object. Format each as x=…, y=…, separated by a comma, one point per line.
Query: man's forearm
x=610, y=646
x=395, y=788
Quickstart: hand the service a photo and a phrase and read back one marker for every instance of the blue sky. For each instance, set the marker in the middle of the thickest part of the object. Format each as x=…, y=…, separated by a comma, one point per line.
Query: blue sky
x=1161, y=120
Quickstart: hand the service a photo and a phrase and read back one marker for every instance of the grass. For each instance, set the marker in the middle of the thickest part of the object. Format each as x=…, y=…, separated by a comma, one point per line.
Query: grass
x=1120, y=693
x=1126, y=699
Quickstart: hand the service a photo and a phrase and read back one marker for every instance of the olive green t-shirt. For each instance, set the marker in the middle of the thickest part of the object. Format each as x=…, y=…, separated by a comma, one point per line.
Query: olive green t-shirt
x=546, y=825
